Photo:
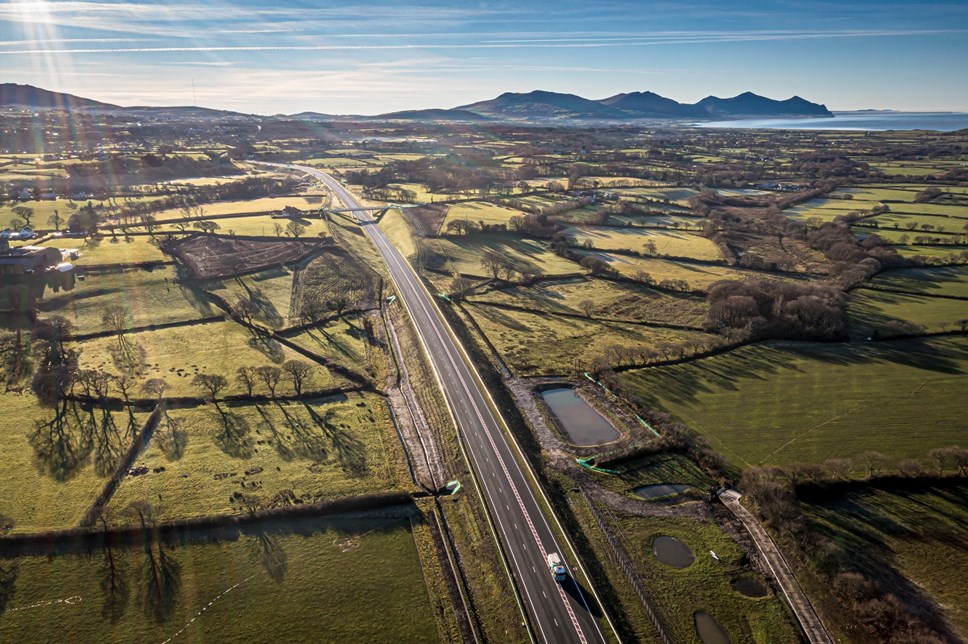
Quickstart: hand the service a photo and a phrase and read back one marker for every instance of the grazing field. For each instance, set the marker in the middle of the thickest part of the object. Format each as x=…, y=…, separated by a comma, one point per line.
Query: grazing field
x=537, y=344
x=259, y=226
x=464, y=254
x=178, y=354
x=478, y=211
x=706, y=584
x=111, y=250
x=150, y=297
x=315, y=580
x=274, y=453
x=607, y=299
x=269, y=293
x=698, y=276
x=901, y=398
x=871, y=310
x=265, y=204
x=951, y=281
x=675, y=244
x=913, y=540
x=51, y=489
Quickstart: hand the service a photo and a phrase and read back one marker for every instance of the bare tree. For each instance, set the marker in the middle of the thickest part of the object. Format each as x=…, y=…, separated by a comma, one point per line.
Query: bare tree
x=587, y=306
x=875, y=462
x=212, y=383
x=245, y=377
x=299, y=373
x=294, y=229
x=269, y=376
x=156, y=387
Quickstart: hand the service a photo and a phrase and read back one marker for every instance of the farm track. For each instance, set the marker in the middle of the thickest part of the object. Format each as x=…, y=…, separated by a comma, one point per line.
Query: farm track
x=813, y=628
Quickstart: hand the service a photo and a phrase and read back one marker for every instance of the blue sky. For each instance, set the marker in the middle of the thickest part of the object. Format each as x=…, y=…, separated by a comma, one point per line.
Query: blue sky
x=372, y=57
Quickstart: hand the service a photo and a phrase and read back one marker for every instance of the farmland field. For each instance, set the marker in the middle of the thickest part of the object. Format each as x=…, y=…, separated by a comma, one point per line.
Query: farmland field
x=278, y=452
x=178, y=354
x=870, y=309
x=671, y=243
x=536, y=343
x=240, y=588
x=464, y=254
x=837, y=400
x=930, y=281
x=917, y=534
x=608, y=300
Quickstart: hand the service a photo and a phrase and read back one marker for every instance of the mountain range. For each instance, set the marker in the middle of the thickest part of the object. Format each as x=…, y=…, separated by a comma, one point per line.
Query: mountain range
x=538, y=105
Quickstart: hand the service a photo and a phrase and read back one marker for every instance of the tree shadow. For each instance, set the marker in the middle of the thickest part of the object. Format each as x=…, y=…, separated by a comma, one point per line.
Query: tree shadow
x=279, y=441
x=8, y=584
x=306, y=443
x=114, y=584
x=266, y=549
x=234, y=437
x=350, y=451
x=267, y=345
x=161, y=580
x=60, y=445
x=171, y=436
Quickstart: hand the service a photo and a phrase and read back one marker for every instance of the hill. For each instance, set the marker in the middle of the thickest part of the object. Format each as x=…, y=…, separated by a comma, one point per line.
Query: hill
x=434, y=114
x=750, y=104
x=540, y=104
x=13, y=95
x=651, y=105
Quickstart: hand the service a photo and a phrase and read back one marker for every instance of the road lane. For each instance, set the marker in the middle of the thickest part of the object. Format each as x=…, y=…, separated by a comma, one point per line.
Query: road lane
x=559, y=612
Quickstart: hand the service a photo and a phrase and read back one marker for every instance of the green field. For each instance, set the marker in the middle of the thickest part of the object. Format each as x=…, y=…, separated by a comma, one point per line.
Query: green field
x=478, y=211
x=616, y=300
x=919, y=535
x=313, y=450
x=334, y=581
x=270, y=291
x=705, y=585
x=671, y=243
x=110, y=250
x=178, y=354
x=264, y=204
x=930, y=281
x=464, y=254
x=33, y=497
x=151, y=297
x=786, y=402
x=698, y=276
x=536, y=343
x=870, y=309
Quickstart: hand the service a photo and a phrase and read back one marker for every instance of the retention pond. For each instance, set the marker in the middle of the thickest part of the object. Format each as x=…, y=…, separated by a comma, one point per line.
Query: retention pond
x=672, y=552
x=584, y=425
x=709, y=630
x=659, y=490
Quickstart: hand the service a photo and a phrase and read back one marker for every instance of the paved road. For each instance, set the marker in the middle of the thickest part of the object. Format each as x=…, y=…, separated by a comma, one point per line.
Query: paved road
x=560, y=612
x=814, y=629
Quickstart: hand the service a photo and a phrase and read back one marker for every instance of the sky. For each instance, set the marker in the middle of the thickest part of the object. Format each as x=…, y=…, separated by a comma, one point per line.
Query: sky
x=338, y=57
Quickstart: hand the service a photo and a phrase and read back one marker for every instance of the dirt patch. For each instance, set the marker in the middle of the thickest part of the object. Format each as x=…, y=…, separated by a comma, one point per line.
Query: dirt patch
x=212, y=256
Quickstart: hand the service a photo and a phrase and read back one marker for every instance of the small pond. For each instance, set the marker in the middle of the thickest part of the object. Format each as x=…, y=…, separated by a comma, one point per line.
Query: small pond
x=749, y=587
x=710, y=632
x=672, y=552
x=660, y=490
x=584, y=425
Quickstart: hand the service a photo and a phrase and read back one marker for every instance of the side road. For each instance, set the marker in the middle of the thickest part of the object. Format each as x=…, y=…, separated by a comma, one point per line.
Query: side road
x=813, y=628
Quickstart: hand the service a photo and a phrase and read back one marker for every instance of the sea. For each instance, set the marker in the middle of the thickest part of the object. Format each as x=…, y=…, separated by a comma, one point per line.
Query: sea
x=857, y=121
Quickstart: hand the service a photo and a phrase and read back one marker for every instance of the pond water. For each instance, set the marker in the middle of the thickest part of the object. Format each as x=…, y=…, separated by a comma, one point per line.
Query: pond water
x=672, y=552
x=749, y=587
x=709, y=630
x=584, y=425
x=660, y=489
